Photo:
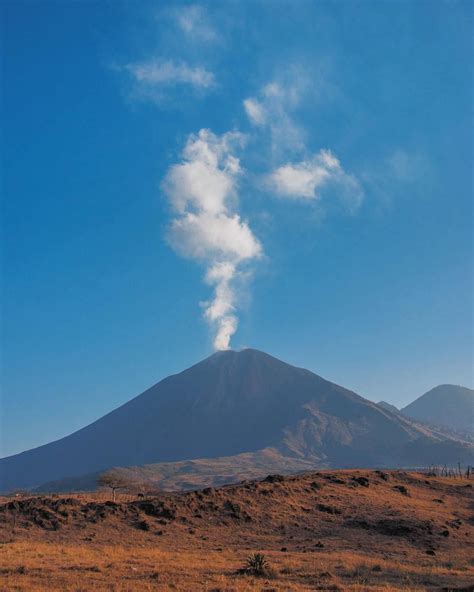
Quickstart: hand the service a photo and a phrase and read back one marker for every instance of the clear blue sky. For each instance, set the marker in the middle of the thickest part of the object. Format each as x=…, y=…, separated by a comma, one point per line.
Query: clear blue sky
x=360, y=271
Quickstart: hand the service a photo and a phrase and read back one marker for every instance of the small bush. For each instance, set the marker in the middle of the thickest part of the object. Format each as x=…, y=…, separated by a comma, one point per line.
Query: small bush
x=327, y=509
x=143, y=525
x=361, y=574
x=256, y=565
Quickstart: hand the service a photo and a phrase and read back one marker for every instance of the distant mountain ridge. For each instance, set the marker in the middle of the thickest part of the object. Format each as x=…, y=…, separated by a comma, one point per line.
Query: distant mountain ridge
x=446, y=405
x=388, y=407
x=233, y=403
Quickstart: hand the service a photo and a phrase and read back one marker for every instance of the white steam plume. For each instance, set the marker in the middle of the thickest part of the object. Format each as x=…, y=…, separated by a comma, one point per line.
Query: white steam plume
x=202, y=189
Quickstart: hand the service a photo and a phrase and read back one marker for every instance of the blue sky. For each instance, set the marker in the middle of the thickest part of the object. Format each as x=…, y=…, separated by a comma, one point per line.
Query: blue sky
x=293, y=177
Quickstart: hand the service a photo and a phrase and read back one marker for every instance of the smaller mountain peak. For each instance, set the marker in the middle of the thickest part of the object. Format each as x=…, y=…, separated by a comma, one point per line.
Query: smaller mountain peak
x=388, y=406
x=450, y=386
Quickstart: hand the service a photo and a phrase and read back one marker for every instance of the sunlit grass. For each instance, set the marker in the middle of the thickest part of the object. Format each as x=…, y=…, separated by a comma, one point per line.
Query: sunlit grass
x=208, y=553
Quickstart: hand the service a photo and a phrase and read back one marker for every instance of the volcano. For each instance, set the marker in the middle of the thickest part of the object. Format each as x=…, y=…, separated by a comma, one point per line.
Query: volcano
x=233, y=403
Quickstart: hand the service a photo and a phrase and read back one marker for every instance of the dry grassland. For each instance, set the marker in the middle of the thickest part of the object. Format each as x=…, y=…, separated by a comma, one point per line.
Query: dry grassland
x=344, y=530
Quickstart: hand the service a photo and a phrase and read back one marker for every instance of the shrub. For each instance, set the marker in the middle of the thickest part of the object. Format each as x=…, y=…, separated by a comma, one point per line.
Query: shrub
x=402, y=489
x=256, y=565
x=143, y=525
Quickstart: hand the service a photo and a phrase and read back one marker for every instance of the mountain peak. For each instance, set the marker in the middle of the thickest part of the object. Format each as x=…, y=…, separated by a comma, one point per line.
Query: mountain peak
x=242, y=356
x=245, y=351
x=447, y=405
x=235, y=402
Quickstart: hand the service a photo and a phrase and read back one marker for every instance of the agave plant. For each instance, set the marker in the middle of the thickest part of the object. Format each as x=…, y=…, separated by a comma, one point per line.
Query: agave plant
x=256, y=564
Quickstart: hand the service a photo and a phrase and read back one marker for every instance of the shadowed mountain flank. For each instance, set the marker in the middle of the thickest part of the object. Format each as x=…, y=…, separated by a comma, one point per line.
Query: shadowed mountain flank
x=233, y=403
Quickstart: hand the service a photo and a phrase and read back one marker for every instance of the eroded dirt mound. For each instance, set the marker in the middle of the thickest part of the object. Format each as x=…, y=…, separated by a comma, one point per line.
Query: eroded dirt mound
x=316, y=505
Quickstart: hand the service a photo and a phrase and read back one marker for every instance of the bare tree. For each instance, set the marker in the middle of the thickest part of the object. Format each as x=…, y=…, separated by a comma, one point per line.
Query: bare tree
x=113, y=479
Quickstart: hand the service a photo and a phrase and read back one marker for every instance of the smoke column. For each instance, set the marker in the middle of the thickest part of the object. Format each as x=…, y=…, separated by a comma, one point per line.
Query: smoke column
x=202, y=191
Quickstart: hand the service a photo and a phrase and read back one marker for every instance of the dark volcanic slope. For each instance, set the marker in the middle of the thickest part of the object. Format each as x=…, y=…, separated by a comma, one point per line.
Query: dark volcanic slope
x=230, y=403
x=446, y=405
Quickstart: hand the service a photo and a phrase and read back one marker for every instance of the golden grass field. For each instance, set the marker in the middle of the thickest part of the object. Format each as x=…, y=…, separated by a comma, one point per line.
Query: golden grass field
x=331, y=530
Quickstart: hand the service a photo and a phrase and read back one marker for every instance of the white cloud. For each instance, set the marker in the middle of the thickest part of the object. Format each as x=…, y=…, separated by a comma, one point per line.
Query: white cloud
x=202, y=189
x=271, y=111
x=159, y=73
x=255, y=111
x=194, y=22
x=306, y=179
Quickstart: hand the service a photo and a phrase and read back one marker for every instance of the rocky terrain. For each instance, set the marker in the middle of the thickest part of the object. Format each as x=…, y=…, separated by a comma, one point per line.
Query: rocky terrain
x=326, y=530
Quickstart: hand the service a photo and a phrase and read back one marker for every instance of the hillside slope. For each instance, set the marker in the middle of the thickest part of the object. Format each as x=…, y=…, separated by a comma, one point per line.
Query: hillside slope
x=191, y=474
x=235, y=402
x=344, y=530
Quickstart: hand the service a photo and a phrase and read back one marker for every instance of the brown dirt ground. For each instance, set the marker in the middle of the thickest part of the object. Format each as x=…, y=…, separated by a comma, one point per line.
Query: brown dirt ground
x=329, y=530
